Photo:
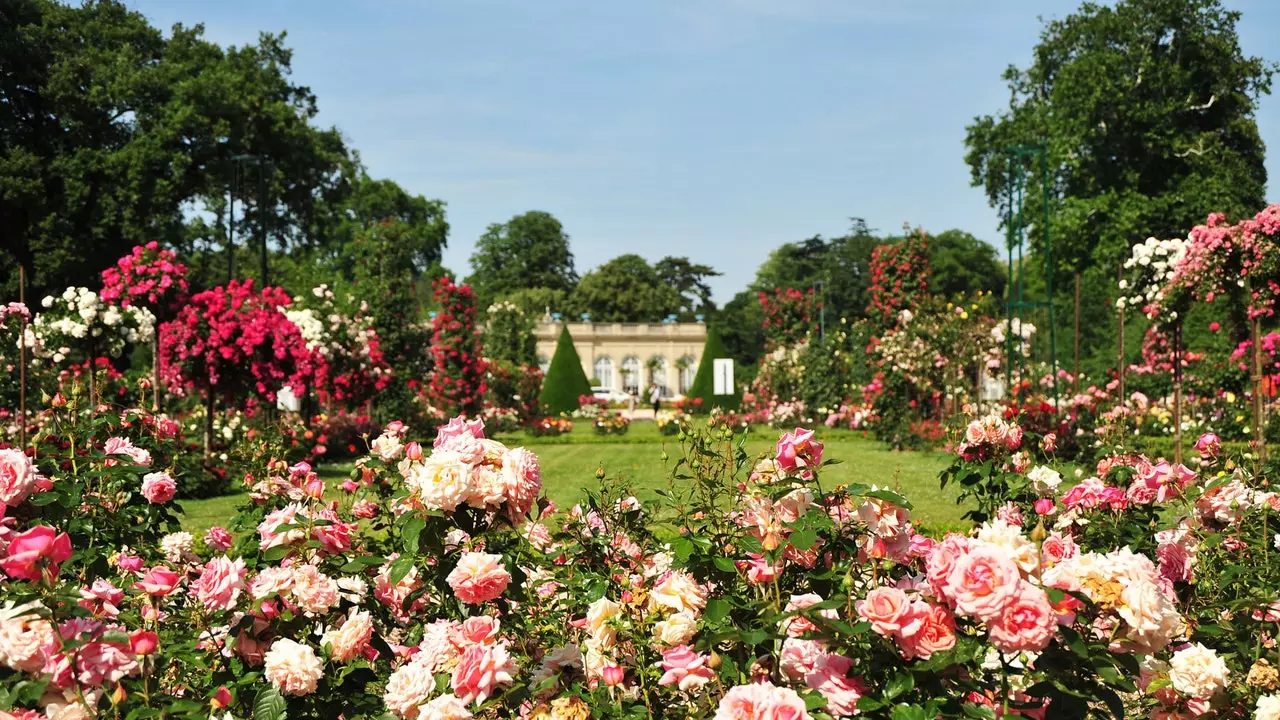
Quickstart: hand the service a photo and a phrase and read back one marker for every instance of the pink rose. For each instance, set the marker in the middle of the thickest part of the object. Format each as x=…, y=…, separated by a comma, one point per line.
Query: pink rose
x=101, y=598
x=831, y=678
x=799, y=657
x=1044, y=506
x=129, y=563
x=457, y=431
x=477, y=630
x=17, y=477
x=1026, y=624
x=974, y=434
x=889, y=611
x=99, y=663
x=798, y=625
x=158, y=487
x=1010, y=514
x=122, y=446
x=984, y=581
x=685, y=669
x=761, y=701
x=1056, y=548
x=220, y=584
x=1209, y=445
x=218, y=539
x=943, y=560
x=35, y=552
x=478, y=578
x=798, y=449
x=481, y=668
x=521, y=481
x=363, y=508
x=158, y=582
x=937, y=632
x=1013, y=438
x=143, y=642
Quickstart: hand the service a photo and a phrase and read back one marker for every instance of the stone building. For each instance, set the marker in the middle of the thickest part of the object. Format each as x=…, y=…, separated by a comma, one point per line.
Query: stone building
x=629, y=357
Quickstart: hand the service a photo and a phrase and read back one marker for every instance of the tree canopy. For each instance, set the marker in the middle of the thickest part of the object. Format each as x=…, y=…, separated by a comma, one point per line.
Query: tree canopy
x=528, y=251
x=1146, y=112
x=626, y=289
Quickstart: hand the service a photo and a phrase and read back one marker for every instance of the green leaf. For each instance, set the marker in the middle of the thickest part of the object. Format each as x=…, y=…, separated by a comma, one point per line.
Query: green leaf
x=898, y=684
x=725, y=564
x=269, y=705
x=908, y=712
x=978, y=712
x=802, y=540
x=717, y=610
x=410, y=533
x=399, y=569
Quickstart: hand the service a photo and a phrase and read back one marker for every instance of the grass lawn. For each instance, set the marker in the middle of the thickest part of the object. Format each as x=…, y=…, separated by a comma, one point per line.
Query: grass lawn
x=569, y=465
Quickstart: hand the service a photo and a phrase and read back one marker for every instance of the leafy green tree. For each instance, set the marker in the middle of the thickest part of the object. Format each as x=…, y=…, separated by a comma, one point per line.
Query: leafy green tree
x=625, y=289
x=1146, y=110
x=537, y=302
x=565, y=381
x=961, y=264
x=109, y=131
x=841, y=264
x=741, y=326
x=689, y=279
x=527, y=251
x=703, y=387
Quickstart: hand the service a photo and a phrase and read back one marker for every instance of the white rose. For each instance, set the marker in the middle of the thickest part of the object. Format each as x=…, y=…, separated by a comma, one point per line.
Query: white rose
x=1197, y=672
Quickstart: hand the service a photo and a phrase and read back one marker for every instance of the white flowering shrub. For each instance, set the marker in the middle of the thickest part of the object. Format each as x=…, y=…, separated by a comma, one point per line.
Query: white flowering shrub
x=78, y=326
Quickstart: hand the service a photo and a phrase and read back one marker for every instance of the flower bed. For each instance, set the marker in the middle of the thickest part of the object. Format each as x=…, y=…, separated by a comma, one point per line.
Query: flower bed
x=440, y=585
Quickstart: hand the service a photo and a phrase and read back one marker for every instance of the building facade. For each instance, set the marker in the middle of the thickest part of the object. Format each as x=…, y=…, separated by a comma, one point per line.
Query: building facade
x=630, y=357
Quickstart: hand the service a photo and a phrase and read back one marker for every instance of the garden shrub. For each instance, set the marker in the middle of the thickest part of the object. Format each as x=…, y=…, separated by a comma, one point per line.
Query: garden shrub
x=565, y=381
x=703, y=387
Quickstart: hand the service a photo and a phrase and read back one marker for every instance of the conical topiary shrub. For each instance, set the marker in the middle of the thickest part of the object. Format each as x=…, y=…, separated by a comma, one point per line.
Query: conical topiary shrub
x=565, y=381
x=704, y=381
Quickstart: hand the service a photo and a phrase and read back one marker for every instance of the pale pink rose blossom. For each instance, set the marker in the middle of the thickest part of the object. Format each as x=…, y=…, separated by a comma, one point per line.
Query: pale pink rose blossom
x=761, y=701
x=831, y=678
x=220, y=583
x=348, y=641
x=684, y=668
x=1026, y=624
x=481, y=669
x=984, y=581
x=218, y=539
x=18, y=477
x=292, y=668
x=158, y=487
x=478, y=578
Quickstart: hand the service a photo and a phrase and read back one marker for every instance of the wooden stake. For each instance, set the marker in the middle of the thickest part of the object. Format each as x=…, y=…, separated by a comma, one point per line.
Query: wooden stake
x=1076, y=369
x=1177, y=392
x=1120, y=363
x=22, y=360
x=1259, y=437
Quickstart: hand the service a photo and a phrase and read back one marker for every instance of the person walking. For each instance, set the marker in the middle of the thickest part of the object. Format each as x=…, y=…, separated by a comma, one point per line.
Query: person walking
x=655, y=397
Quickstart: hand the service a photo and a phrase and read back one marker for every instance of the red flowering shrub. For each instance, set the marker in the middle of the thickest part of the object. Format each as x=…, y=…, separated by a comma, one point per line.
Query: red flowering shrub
x=789, y=317
x=232, y=342
x=899, y=275
x=457, y=384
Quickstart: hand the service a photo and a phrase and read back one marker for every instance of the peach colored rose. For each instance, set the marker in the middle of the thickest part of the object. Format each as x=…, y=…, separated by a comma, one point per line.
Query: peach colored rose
x=984, y=581
x=408, y=689
x=479, y=578
x=831, y=678
x=761, y=701
x=445, y=707
x=889, y=612
x=158, y=582
x=937, y=632
x=349, y=640
x=1026, y=624
x=292, y=668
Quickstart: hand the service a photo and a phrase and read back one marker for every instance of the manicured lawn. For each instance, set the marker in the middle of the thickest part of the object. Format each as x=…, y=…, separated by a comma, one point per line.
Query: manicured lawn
x=570, y=462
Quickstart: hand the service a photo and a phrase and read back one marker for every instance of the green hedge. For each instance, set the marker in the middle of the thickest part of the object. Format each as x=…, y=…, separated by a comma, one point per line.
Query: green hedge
x=704, y=381
x=565, y=381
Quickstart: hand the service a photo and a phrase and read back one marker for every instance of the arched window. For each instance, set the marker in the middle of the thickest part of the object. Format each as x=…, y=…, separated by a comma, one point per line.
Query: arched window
x=544, y=362
x=631, y=374
x=604, y=371
x=658, y=374
x=688, y=369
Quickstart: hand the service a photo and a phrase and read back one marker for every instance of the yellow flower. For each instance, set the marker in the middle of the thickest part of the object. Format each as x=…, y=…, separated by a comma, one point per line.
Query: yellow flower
x=964, y=316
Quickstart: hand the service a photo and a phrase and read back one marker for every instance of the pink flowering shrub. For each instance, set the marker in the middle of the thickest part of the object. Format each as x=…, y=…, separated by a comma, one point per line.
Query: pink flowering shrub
x=233, y=342
x=148, y=276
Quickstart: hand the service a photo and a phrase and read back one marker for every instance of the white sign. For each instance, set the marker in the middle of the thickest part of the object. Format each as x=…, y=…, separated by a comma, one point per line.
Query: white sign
x=723, y=376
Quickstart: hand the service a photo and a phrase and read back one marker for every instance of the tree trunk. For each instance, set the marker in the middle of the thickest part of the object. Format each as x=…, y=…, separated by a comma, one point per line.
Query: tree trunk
x=1177, y=392
x=208, y=424
x=1259, y=437
x=1076, y=369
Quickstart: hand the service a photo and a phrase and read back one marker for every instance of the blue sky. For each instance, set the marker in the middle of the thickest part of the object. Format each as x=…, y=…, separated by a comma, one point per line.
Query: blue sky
x=716, y=129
